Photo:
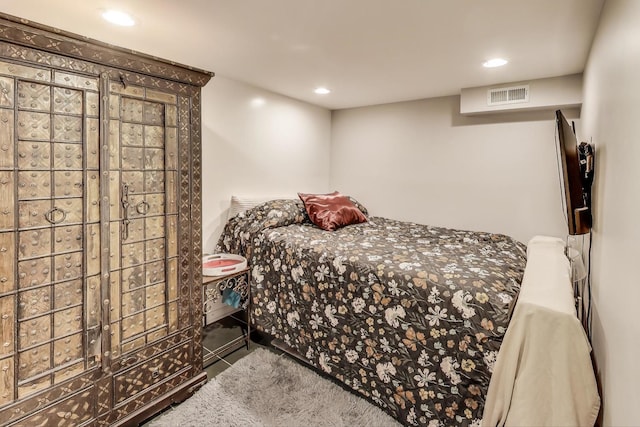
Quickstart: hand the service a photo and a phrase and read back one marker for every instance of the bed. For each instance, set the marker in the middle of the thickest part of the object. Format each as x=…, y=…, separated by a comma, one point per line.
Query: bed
x=410, y=316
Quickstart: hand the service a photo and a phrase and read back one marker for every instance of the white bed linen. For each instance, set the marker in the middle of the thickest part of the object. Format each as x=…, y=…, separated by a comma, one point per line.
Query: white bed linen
x=543, y=374
x=242, y=203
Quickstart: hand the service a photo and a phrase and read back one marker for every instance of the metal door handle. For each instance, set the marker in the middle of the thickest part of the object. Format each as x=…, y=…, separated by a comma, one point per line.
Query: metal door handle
x=143, y=207
x=125, y=211
x=50, y=215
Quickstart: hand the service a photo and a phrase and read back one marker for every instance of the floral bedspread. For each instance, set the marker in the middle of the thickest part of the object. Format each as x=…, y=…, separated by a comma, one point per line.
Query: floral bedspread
x=410, y=316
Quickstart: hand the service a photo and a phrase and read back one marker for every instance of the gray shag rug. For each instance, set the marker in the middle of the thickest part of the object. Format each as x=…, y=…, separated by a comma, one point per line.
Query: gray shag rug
x=264, y=389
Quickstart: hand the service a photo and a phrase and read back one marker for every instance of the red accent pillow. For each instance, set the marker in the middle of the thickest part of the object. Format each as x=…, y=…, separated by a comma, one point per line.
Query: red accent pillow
x=331, y=211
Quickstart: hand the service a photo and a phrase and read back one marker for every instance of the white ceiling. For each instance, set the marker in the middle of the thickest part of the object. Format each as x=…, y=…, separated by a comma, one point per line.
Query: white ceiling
x=366, y=51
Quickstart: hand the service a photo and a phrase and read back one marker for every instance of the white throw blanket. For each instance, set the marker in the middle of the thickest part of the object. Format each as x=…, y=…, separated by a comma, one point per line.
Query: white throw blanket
x=543, y=375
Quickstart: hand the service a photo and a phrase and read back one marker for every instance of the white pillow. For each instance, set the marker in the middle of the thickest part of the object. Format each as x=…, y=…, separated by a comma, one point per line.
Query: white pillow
x=241, y=204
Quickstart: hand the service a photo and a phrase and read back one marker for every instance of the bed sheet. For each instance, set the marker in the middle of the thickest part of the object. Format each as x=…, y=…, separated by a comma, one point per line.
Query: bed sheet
x=410, y=316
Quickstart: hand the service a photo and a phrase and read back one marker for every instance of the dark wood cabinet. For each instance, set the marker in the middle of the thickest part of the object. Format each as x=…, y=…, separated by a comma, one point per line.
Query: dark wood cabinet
x=100, y=165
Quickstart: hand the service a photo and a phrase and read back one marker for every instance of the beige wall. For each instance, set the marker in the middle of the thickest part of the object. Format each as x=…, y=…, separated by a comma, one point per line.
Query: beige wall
x=257, y=143
x=611, y=116
x=422, y=161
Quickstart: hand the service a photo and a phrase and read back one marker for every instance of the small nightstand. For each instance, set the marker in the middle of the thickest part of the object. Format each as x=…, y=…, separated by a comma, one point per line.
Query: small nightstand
x=215, y=310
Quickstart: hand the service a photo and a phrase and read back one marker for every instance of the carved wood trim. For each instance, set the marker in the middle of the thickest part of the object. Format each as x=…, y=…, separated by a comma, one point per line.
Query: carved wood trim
x=196, y=227
x=185, y=239
x=31, y=34
x=50, y=60
x=40, y=400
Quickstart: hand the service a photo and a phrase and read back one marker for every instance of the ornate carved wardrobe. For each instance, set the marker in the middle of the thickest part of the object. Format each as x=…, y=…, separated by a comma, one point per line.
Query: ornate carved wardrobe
x=100, y=230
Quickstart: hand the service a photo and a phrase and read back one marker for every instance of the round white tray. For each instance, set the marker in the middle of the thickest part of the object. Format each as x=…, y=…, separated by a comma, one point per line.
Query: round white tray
x=222, y=264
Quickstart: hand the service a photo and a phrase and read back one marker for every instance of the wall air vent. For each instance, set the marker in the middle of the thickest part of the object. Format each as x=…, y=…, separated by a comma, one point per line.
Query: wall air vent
x=508, y=95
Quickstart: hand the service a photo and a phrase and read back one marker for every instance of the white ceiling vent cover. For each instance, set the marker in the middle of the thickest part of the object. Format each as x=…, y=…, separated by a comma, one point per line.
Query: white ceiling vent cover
x=508, y=95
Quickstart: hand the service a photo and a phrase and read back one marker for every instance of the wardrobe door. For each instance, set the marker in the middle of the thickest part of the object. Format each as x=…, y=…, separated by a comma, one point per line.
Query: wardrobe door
x=143, y=221
x=49, y=229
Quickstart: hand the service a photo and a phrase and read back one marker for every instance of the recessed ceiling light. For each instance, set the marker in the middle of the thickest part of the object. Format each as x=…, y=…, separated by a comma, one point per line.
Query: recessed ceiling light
x=495, y=62
x=118, y=18
x=257, y=102
x=322, y=90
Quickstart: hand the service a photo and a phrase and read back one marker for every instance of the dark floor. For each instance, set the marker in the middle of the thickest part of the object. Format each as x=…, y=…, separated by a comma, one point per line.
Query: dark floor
x=217, y=335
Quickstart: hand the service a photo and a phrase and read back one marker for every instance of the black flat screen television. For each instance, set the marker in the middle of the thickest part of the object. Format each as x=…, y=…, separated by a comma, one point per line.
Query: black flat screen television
x=575, y=176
